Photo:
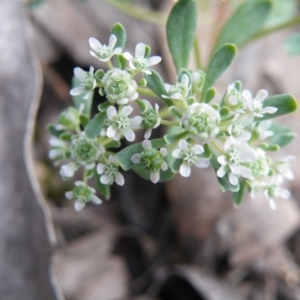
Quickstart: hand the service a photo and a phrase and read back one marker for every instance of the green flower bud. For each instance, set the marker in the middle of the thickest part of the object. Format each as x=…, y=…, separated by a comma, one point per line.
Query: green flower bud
x=152, y=160
x=150, y=118
x=68, y=119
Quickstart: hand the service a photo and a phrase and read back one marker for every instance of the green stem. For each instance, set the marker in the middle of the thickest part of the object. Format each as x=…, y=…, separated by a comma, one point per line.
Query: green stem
x=169, y=123
x=139, y=12
x=262, y=33
x=84, y=179
x=164, y=112
x=197, y=53
x=110, y=66
x=146, y=92
x=217, y=147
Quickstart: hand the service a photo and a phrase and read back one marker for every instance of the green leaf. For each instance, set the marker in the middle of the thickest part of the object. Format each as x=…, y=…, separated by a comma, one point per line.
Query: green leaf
x=282, y=135
x=218, y=64
x=113, y=144
x=172, y=138
x=224, y=111
x=142, y=105
x=66, y=137
x=224, y=181
x=176, y=165
x=175, y=112
x=269, y=147
x=103, y=188
x=120, y=61
x=93, y=128
x=238, y=197
x=292, y=45
x=78, y=100
x=84, y=120
x=247, y=20
x=181, y=28
x=124, y=156
x=285, y=104
x=53, y=131
x=104, y=106
x=156, y=84
x=119, y=31
x=210, y=94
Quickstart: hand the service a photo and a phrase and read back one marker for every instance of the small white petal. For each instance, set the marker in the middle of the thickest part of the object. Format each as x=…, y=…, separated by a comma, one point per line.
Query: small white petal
x=140, y=50
x=111, y=112
x=79, y=206
x=185, y=80
x=126, y=110
x=177, y=153
x=233, y=179
x=164, y=166
x=221, y=172
x=77, y=91
x=272, y=204
x=95, y=44
x=269, y=110
x=163, y=151
x=147, y=144
x=128, y=56
x=129, y=134
x=136, y=158
x=69, y=195
x=222, y=160
x=183, y=145
x=117, y=51
x=198, y=149
x=262, y=95
x=245, y=172
x=111, y=131
x=100, y=168
x=119, y=178
x=247, y=95
x=154, y=177
x=135, y=122
x=202, y=163
x=154, y=60
x=96, y=200
x=147, y=134
x=112, y=41
x=105, y=179
x=79, y=73
x=185, y=170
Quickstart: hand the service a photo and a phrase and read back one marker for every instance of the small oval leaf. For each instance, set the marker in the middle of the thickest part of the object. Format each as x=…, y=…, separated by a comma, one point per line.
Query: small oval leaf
x=94, y=127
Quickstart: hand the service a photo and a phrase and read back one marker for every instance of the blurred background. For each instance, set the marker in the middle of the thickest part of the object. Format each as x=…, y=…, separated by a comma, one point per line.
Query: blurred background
x=181, y=240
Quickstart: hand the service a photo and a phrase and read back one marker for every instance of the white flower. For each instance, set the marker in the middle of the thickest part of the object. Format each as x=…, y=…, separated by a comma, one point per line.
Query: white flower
x=271, y=190
x=234, y=99
x=198, y=78
x=140, y=62
x=119, y=87
x=259, y=130
x=103, y=52
x=88, y=82
x=59, y=148
x=110, y=172
x=151, y=118
x=121, y=123
x=260, y=167
x=237, y=154
x=82, y=194
x=68, y=171
x=201, y=120
x=179, y=91
x=152, y=160
x=255, y=105
x=237, y=128
x=190, y=156
x=282, y=167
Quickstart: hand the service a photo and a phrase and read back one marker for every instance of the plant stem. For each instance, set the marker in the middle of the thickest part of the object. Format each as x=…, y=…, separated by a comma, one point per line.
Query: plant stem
x=169, y=123
x=84, y=179
x=146, y=92
x=139, y=12
x=110, y=66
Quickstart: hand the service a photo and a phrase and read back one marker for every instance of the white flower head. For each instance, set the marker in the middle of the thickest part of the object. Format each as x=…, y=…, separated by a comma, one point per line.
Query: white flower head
x=260, y=130
x=282, y=167
x=59, y=149
x=109, y=172
x=201, y=120
x=260, y=167
x=119, y=87
x=198, y=78
x=237, y=128
x=151, y=118
x=139, y=62
x=237, y=154
x=152, y=160
x=234, y=99
x=119, y=123
x=271, y=190
x=67, y=171
x=87, y=82
x=104, y=52
x=82, y=194
x=255, y=105
x=190, y=156
x=180, y=91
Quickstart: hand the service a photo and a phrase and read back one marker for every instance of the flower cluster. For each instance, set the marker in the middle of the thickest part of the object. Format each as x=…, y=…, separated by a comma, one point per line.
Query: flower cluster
x=233, y=136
